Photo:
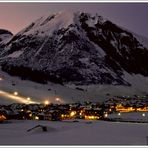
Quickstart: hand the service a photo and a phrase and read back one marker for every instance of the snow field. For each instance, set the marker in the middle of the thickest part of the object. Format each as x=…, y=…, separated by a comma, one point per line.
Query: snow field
x=73, y=133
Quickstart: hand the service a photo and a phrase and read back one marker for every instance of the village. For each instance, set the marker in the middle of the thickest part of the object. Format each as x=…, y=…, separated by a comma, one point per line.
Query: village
x=79, y=110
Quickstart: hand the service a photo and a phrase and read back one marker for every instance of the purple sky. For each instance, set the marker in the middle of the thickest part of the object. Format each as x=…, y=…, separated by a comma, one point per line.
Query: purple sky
x=134, y=17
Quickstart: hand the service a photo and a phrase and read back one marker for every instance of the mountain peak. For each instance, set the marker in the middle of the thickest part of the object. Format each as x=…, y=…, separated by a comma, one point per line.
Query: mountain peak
x=47, y=24
x=75, y=47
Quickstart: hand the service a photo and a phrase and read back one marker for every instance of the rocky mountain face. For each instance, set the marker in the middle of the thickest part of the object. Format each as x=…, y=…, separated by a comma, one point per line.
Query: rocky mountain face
x=78, y=48
x=4, y=36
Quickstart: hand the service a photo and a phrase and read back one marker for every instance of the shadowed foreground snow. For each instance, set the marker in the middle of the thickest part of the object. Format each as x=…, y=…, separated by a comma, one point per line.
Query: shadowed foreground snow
x=73, y=133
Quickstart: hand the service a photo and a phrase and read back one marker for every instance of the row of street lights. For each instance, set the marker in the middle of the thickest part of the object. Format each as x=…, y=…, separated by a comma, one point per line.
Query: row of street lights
x=28, y=99
x=46, y=102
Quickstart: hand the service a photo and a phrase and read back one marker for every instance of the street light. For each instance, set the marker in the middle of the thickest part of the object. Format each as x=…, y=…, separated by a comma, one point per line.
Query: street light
x=57, y=99
x=46, y=102
x=106, y=115
x=28, y=99
x=15, y=93
x=119, y=114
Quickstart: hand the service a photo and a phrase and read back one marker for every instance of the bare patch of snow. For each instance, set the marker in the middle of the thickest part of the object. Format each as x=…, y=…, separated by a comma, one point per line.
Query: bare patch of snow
x=143, y=40
x=15, y=54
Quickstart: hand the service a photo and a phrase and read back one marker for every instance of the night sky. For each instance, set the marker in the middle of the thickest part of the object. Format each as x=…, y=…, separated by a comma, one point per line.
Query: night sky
x=133, y=16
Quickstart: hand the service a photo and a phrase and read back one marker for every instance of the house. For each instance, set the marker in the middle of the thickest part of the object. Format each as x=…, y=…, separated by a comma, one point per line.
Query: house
x=55, y=115
x=44, y=116
x=2, y=118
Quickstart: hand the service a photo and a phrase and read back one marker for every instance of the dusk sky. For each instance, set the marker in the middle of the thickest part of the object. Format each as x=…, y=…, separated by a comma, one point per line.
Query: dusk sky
x=134, y=17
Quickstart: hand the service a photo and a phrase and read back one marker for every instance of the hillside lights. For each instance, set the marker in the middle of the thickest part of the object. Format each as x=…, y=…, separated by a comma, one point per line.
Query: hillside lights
x=28, y=99
x=46, y=102
x=57, y=99
x=15, y=93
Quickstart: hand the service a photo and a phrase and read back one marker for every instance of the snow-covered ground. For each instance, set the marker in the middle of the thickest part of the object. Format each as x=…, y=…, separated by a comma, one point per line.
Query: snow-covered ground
x=130, y=116
x=41, y=92
x=38, y=92
x=73, y=133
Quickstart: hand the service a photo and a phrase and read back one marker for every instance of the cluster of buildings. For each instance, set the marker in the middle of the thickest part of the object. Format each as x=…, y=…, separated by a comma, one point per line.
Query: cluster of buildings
x=85, y=110
x=128, y=104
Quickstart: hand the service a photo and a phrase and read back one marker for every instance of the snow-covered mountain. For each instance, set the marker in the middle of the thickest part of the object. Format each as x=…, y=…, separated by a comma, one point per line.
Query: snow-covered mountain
x=77, y=48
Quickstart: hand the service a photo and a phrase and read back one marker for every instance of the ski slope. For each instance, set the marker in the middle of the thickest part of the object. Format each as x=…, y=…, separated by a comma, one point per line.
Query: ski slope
x=67, y=94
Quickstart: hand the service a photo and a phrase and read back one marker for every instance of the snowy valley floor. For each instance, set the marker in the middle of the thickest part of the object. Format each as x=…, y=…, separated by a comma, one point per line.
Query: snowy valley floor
x=14, y=132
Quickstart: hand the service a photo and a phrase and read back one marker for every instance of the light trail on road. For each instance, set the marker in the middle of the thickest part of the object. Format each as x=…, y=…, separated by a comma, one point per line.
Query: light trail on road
x=16, y=98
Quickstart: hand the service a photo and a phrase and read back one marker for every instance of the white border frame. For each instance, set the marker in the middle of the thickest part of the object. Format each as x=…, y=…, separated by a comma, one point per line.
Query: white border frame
x=73, y=1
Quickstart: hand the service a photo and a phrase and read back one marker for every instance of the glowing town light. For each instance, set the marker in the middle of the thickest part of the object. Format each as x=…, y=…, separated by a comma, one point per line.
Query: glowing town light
x=119, y=114
x=2, y=118
x=36, y=118
x=89, y=117
x=1, y=79
x=110, y=109
x=15, y=93
x=106, y=115
x=72, y=113
x=93, y=117
x=62, y=115
x=46, y=102
x=143, y=114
